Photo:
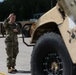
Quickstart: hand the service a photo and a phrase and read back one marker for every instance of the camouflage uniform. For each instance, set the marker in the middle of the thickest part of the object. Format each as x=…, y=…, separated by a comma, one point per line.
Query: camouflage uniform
x=11, y=42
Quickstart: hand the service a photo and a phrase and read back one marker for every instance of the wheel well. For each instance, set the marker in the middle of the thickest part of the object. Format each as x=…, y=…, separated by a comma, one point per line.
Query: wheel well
x=48, y=27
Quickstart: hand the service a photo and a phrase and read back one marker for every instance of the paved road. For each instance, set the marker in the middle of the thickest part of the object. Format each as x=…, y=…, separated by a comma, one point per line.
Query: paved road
x=23, y=59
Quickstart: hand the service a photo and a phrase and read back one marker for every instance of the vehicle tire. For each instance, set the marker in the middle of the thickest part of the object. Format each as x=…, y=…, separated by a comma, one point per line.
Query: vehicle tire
x=50, y=56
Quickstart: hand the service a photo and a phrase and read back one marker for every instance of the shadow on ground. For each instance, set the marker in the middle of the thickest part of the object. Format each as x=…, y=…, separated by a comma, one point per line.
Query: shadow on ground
x=21, y=71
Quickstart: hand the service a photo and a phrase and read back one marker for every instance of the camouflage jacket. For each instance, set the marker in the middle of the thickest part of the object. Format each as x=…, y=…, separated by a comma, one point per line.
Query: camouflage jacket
x=11, y=36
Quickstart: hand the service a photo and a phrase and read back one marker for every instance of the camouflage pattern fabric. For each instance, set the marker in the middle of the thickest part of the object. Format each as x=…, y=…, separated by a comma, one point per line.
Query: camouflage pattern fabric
x=11, y=42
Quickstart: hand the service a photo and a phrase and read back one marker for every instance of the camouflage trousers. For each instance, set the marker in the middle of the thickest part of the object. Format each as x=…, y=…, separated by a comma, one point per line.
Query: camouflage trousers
x=12, y=51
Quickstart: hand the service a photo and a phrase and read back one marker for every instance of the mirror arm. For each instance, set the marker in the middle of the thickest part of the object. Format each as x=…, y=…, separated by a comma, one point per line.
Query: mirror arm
x=25, y=42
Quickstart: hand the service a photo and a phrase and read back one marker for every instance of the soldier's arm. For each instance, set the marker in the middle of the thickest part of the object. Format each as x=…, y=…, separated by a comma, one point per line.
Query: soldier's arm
x=6, y=22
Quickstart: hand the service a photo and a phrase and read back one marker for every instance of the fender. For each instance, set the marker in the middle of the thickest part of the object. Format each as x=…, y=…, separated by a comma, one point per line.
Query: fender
x=52, y=16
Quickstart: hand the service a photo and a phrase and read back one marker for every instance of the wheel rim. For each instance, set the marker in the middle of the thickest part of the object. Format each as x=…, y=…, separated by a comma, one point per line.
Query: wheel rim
x=52, y=64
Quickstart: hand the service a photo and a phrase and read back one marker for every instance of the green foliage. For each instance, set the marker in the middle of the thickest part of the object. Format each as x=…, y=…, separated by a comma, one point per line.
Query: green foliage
x=24, y=9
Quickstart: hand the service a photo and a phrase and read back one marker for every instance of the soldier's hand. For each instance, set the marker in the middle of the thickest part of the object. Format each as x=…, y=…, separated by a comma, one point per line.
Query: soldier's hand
x=15, y=30
x=10, y=15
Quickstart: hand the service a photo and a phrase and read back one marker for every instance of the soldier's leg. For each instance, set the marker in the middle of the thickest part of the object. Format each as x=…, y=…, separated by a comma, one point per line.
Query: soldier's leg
x=9, y=52
x=15, y=52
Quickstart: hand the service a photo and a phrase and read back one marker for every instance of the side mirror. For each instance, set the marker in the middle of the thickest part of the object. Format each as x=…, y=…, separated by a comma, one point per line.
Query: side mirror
x=26, y=30
x=26, y=34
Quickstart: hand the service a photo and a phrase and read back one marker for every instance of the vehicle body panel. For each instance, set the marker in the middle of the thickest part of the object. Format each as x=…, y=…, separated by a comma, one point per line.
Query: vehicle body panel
x=71, y=46
x=64, y=28
x=69, y=6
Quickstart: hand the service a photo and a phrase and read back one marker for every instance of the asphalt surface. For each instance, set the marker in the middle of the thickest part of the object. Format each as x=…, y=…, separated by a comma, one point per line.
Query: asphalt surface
x=23, y=58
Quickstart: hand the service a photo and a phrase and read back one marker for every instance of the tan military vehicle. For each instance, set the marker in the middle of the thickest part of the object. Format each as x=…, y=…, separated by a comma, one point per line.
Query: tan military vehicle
x=54, y=37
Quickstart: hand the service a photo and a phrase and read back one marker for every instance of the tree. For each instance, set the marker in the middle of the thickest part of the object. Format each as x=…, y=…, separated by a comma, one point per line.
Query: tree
x=24, y=9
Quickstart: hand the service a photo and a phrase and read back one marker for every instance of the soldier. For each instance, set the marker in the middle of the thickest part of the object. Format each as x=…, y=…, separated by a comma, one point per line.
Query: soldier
x=11, y=42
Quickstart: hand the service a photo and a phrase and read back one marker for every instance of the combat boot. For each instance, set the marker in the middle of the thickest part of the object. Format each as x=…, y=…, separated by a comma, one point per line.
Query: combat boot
x=10, y=70
x=15, y=70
